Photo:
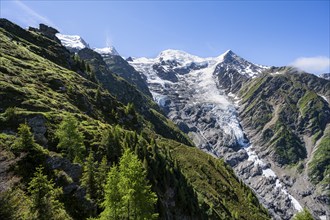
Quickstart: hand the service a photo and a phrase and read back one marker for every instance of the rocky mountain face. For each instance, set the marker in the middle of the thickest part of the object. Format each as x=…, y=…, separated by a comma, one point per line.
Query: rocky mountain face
x=286, y=114
x=270, y=124
x=121, y=67
x=325, y=76
x=41, y=82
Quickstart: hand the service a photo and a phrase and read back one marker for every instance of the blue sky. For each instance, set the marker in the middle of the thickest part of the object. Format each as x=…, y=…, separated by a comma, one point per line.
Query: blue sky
x=265, y=32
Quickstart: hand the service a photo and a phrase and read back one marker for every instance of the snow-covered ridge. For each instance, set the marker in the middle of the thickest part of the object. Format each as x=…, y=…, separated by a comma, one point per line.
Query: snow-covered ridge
x=107, y=51
x=182, y=59
x=73, y=42
x=179, y=56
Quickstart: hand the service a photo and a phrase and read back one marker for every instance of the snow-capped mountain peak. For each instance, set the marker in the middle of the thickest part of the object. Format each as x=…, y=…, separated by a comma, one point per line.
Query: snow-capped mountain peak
x=74, y=43
x=228, y=52
x=232, y=61
x=107, y=51
x=178, y=55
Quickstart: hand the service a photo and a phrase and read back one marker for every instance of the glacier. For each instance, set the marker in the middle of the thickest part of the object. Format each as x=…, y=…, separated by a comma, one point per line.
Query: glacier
x=195, y=101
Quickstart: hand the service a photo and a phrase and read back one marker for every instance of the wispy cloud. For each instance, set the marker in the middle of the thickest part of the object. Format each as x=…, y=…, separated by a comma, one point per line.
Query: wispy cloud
x=108, y=40
x=318, y=64
x=30, y=16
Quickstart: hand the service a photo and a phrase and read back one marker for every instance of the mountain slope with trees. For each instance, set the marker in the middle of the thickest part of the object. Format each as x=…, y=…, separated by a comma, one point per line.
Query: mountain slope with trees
x=45, y=91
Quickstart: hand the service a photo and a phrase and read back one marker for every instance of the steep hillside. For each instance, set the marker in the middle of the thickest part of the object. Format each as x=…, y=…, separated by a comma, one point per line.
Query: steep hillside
x=43, y=86
x=286, y=115
x=120, y=66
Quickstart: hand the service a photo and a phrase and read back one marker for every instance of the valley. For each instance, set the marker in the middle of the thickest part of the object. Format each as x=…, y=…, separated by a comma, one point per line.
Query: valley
x=218, y=137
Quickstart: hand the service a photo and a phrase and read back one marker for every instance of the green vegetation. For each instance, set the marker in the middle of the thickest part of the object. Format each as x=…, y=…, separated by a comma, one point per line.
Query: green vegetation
x=319, y=167
x=44, y=197
x=88, y=179
x=288, y=147
x=15, y=205
x=25, y=141
x=223, y=199
x=255, y=88
x=303, y=215
x=284, y=109
x=127, y=193
x=70, y=139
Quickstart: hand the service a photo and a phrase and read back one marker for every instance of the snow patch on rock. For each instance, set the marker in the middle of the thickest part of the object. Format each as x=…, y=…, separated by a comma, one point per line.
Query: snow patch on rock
x=107, y=51
x=72, y=42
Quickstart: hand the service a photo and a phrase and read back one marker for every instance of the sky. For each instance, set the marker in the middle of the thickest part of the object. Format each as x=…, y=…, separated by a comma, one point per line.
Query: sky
x=274, y=33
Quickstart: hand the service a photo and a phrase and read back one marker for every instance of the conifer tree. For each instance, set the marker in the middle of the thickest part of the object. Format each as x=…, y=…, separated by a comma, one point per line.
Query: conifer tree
x=82, y=65
x=112, y=199
x=88, y=179
x=88, y=68
x=98, y=95
x=128, y=194
x=45, y=204
x=111, y=141
x=25, y=140
x=15, y=205
x=137, y=197
x=70, y=138
x=101, y=179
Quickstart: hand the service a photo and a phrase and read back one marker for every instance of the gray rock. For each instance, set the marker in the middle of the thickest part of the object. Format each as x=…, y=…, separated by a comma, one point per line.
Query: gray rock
x=59, y=163
x=38, y=125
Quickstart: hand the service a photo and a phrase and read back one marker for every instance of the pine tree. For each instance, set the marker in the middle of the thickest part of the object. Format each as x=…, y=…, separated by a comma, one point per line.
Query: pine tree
x=98, y=95
x=111, y=142
x=101, y=179
x=82, y=65
x=45, y=204
x=70, y=139
x=88, y=179
x=130, y=140
x=128, y=189
x=137, y=197
x=88, y=68
x=112, y=199
x=25, y=140
x=15, y=205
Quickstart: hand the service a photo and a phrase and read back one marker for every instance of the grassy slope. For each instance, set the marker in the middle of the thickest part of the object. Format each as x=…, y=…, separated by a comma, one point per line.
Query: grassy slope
x=319, y=167
x=215, y=183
